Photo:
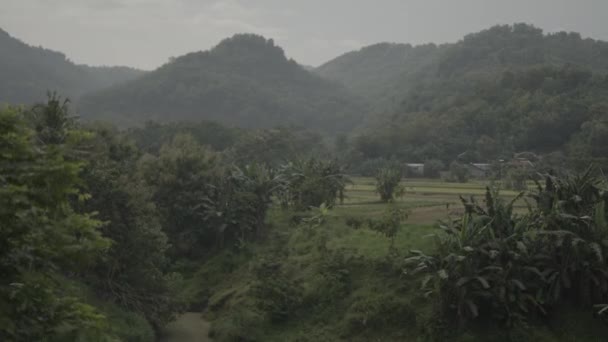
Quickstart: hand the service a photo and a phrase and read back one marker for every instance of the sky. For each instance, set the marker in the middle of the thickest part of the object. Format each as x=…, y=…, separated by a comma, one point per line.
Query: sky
x=146, y=33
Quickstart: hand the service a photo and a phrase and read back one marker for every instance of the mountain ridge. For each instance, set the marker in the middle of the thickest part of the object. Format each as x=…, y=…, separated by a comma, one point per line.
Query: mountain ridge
x=245, y=80
x=503, y=90
x=28, y=73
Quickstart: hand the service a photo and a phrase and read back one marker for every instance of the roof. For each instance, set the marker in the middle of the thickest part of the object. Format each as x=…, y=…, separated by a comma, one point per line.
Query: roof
x=482, y=166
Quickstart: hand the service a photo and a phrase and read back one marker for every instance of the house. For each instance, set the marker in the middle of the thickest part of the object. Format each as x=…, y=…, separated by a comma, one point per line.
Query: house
x=521, y=163
x=415, y=169
x=480, y=170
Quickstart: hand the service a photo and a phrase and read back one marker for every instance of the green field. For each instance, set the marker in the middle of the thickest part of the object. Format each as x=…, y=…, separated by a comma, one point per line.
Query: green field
x=428, y=200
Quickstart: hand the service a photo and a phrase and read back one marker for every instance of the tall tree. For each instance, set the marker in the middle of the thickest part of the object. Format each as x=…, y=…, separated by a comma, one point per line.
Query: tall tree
x=42, y=238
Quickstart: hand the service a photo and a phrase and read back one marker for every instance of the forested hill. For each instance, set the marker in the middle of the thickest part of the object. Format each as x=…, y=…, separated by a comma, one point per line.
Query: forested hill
x=386, y=72
x=27, y=73
x=245, y=81
x=503, y=90
x=375, y=71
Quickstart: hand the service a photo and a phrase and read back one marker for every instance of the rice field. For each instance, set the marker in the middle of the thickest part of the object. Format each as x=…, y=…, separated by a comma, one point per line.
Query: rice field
x=428, y=200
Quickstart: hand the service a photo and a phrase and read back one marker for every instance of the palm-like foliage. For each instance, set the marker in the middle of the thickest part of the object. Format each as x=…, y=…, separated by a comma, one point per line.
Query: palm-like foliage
x=573, y=230
x=492, y=261
x=311, y=182
x=241, y=201
x=481, y=263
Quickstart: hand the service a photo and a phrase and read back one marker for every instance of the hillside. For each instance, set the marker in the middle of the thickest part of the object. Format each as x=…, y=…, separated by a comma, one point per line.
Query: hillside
x=376, y=70
x=245, y=81
x=386, y=72
x=27, y=73
x=502, y=90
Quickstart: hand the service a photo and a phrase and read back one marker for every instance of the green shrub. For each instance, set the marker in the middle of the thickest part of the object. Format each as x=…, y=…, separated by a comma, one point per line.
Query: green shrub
x=354, y=222
x=240, y=324
x=390, y=223
x=336, y=275
x=379, y=312
x=275, y=294
x=128, y=326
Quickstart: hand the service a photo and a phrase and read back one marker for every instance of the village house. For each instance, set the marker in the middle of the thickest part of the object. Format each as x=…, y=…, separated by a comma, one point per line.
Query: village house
x=415, y=169
x=480, y=170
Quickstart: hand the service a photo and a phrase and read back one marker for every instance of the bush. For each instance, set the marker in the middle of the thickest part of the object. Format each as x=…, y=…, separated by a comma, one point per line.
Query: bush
x=354, y=222
x=241, y=324
x=390, y=223
x=128, y=326
x=378, y=312
x=275, y=293
x=336, y=276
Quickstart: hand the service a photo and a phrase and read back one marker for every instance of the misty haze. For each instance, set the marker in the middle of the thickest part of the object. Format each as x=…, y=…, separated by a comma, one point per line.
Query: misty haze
x=230, y=170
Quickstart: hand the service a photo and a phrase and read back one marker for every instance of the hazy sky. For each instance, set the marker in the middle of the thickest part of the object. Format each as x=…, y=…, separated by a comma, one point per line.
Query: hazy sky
x=145, y=33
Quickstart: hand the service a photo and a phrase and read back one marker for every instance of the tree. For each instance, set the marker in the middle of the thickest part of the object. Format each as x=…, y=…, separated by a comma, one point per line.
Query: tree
x=387, y=183
x=182, y=178
x=42, y=238
x=433, y=168
x=241, y=201
x=133, y=273
x=312, y=182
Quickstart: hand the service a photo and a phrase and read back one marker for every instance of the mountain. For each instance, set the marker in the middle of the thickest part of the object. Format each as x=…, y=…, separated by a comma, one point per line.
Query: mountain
x=377, y=70
x=386, y=72
x=27, y=73
x=503, y=90
x=244, y=81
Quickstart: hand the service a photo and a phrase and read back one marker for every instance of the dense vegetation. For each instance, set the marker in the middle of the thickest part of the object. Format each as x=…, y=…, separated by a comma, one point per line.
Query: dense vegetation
x=245, y=80
x=382, y=72
x=394, y=69
x=493, y=264
x=542, y=109
x=27, y=73
x=95, y=222
x=249, y=211
x=503, y=90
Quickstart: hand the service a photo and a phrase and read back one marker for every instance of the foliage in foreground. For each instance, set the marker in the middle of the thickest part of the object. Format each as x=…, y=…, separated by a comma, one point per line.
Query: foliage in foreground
x=492, y=263
x=134, y=271
x=41, y=235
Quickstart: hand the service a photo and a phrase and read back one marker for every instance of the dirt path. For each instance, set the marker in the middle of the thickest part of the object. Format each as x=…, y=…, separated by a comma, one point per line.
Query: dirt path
x=189, y=327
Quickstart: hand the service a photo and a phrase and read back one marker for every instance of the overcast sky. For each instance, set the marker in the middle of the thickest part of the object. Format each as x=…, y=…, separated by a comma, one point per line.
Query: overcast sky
x=145, y=33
